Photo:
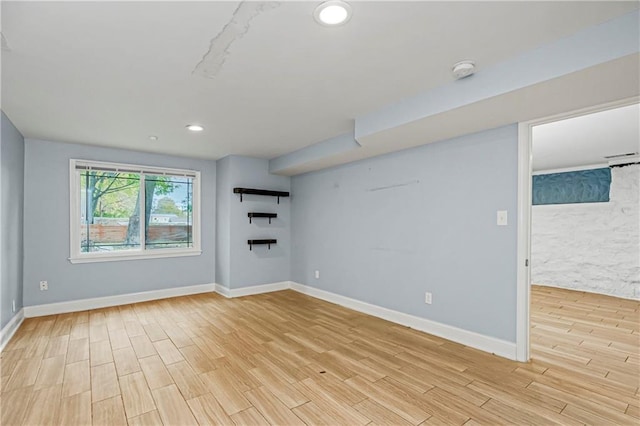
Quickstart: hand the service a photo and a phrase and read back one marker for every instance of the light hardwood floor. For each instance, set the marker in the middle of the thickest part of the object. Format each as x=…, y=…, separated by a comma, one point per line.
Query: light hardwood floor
x=285, y=358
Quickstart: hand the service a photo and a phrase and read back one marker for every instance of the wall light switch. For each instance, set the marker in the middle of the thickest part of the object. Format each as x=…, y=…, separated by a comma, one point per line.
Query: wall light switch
x=317, y=274
x=502, y=218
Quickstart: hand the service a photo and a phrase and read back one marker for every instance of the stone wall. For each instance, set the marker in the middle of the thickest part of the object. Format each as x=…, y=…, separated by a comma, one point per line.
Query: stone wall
x=592, y=247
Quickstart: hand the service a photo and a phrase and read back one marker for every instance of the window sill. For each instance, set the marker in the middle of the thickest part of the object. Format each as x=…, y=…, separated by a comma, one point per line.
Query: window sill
x=92, y=258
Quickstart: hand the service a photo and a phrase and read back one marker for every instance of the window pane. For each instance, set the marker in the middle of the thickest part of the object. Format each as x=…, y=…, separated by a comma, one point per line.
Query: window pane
x=109, y=212
x=169, y=216
x=582, y=186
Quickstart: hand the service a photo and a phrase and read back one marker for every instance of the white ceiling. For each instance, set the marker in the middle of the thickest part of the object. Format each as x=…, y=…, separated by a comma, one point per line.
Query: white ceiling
x=586, y=140
x=113, y=73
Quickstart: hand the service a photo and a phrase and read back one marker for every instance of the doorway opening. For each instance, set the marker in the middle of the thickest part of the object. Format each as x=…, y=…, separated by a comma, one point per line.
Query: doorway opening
x=579, y=250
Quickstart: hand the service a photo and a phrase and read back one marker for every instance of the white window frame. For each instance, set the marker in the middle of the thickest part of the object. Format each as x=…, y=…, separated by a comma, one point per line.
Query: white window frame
x=76, y=256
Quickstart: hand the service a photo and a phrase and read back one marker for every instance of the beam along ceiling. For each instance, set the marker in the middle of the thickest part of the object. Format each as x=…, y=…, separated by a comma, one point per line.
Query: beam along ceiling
x=264, y=79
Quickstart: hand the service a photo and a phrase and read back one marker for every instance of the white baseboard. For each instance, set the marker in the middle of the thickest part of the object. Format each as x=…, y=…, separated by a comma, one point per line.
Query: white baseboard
x=224, y=291
x=489, y=344
x=107, y=301
x=9, y=330
x=468, y=338
x=256, y=289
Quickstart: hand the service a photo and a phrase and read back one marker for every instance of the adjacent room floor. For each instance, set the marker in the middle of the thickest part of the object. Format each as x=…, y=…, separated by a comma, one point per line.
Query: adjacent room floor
x=285, y=358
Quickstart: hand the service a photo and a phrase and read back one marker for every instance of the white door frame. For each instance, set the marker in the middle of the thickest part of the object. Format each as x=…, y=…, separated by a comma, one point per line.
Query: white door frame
x=524, y=241
x=523, y=289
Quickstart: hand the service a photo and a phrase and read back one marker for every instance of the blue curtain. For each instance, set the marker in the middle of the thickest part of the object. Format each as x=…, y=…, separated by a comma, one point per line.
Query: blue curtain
x=584, y=186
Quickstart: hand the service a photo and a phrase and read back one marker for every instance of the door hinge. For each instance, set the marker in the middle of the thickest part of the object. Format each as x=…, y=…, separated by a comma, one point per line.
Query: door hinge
x=526, y=262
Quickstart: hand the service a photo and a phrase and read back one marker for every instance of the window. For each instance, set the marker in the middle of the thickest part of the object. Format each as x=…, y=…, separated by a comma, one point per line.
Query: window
x=123, y=212
x=583, y=186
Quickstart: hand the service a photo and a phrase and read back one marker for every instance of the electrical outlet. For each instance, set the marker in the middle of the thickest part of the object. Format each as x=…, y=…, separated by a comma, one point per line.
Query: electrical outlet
x=44, y=286
x=427, y=298
x=317, y=275
x=13, y=305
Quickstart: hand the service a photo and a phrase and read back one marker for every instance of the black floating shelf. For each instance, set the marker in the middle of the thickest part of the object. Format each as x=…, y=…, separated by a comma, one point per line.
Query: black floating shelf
x=255, y=242
x=253, y=191
x=268, y=215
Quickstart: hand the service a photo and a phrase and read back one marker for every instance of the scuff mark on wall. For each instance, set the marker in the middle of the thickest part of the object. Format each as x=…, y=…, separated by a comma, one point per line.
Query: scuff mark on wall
x=380, y=188
x=392, y=249
x=219, y=47
x=5, y=44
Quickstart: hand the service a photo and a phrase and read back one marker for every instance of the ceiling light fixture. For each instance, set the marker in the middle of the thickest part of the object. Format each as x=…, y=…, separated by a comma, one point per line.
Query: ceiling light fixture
x=153, y=137
x=195, y=128
x=332, y=13
x=463, y=69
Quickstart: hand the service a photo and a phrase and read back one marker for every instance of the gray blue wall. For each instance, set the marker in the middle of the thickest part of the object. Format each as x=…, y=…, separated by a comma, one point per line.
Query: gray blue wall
x=223, y=221
x=238, y=266
x=382, y=230
x=11, y=216
x=46, y=230
x=387, y=229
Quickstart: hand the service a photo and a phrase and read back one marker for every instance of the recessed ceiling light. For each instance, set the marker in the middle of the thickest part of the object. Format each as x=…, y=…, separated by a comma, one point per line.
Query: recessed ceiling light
x=463, y=69
x=153, y=138
x=332, y=13
x=195, y=128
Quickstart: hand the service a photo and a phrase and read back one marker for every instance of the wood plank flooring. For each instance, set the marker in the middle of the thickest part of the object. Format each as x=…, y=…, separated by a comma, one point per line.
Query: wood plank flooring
x=287, y=359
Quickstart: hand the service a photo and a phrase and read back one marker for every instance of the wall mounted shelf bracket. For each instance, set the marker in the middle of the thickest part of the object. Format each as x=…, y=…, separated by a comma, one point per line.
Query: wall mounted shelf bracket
x=253, y=191
x=256, y=242
x=267, y=215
